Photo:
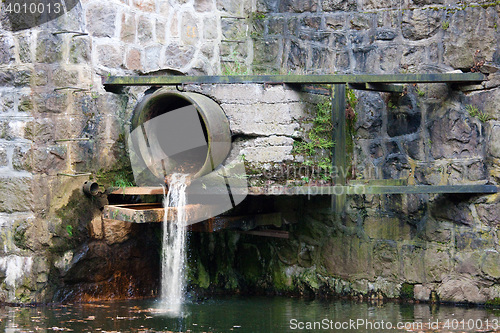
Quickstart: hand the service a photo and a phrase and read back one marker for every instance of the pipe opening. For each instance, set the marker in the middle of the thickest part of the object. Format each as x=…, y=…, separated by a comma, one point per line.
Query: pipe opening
x=180, y=132
x=170, y=136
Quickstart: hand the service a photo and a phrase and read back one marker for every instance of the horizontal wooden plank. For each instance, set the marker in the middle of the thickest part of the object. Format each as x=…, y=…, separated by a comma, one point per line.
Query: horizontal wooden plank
x=382, y=186
x=268, y=233
x=295, y=79
x=135, y=190
x=371, y=189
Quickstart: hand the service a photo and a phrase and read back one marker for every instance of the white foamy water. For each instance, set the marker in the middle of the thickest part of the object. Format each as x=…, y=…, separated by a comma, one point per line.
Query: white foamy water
x=174, y=246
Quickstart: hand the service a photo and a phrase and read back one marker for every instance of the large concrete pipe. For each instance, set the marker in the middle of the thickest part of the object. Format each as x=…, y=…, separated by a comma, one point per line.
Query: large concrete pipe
x=174, y=131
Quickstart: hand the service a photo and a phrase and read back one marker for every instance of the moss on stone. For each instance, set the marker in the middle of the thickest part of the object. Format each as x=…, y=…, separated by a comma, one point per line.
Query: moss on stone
x=493, y=303
x=407, y=291
x=74, y=217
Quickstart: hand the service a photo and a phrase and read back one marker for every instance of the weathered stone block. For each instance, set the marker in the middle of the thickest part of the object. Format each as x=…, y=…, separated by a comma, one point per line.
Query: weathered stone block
x=412, y=261
x=420, y=24
x=467, y=262
x=361, y=21
x=386, y=34
x=190, y=33
x=379, y=4
x=117, y=231
x=164, y=8
x=297, y=55
x=422, y=292
x=490, y=264
x=152, y=57
x=266, y=51
x=232, y=29
x=25, y=41
x=40, y=130
x=437, y=263
x=494, y=139
x=144, y=30
x=160, y=31
x=488, y=213
x=48, y=48
x=79, y=50
x=460, y=290
x=385, y=259
x=230, y=6
x=268, y=149
x=127, y=34
x=55, y=102
x=62, y=77
x=266, y=119
x=145, y=5
x=109, y=55
x=336, y=21
x=4, y=161
x=452, y=210
x=15, y=129
x=462, y=39
x=44, y=159
x=203, y=5
x=454, y=136
x=437, y=231
x=6, y=50
x=386, y=228
x=15, y=194
x=427, y=2
x=369, y=110
x=103, y=17
x=404, y=118
x=298, y=6
x=22, y=77
x=177, y=56
x=348, y=257
x=133, y=59
x=339, y=5
x=467, y=240
x=210, y=28
x=6, y=102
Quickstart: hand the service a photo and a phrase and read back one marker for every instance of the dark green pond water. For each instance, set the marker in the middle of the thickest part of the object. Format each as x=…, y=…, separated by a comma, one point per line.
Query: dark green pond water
x=250, y=314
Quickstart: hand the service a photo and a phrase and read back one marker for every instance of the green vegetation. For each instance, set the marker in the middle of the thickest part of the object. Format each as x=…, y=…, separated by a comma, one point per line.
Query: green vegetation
x=445, y=25
x=407, y=291
x=493, y=303
x=69, y=230
x=319, y=139
x=257, y=16
x=420, y=93
x=317, y=148
x=475, y=112
x=234, y=66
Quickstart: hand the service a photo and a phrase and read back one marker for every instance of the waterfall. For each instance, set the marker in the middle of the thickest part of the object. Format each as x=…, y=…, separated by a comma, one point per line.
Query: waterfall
x=174, y=244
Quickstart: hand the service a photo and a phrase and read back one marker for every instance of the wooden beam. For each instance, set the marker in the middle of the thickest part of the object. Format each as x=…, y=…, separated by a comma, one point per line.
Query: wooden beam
x=134, y=190
x=339, y=134
x=165, y=80
x=268, y=233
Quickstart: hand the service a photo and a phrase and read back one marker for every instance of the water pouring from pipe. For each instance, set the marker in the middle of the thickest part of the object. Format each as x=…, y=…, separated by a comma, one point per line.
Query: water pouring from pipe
x=174, y=246
x=182, y=139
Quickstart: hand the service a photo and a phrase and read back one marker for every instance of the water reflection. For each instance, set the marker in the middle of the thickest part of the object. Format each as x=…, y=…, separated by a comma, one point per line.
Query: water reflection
x=255, y=314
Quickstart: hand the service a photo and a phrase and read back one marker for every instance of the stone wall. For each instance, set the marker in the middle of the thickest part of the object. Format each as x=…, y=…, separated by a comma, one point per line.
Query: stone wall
x=58, y=127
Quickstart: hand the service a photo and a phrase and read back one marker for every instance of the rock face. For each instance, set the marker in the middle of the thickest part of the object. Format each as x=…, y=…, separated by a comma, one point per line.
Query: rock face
x=58, y=126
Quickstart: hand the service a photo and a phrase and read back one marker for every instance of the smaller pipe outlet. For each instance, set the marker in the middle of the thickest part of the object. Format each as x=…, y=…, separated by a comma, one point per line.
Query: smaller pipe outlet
x=90, y=188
